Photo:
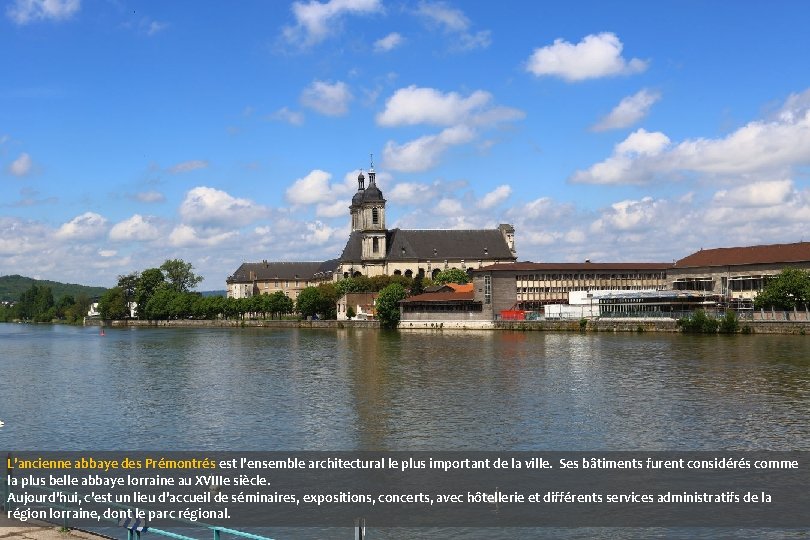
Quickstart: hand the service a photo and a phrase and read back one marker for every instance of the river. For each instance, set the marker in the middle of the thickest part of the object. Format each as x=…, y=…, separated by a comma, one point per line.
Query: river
x=69, y=388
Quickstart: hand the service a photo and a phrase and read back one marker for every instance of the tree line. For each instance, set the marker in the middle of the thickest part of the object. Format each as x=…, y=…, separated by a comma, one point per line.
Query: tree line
x=37, y=304
x=166, y=293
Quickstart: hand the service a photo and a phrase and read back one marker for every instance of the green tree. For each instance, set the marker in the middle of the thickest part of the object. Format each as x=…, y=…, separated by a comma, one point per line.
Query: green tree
x=129, y=284
x=113, y=304
x=36, y=304
x=452, y=275
x=280, y=304
x=150, y=281
x=729, y=324
x=327, y=306
x=162, y=304
x=388, y=305
x=179, y=275
x=417, y=285
x=788, y=290
x=308, y=302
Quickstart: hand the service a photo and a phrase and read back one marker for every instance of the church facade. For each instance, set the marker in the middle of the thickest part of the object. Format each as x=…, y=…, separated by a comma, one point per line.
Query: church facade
x=374, y=250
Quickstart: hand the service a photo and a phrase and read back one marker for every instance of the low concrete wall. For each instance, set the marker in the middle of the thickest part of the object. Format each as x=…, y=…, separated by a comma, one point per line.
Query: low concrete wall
x=239, y=324
x=597, y=325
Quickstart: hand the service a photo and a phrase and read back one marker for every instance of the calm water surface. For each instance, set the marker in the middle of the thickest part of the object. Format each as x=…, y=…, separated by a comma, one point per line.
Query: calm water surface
x=67, y=388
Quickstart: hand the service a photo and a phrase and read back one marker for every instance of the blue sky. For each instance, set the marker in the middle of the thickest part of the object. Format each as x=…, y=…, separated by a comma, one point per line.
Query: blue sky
x=133, y=132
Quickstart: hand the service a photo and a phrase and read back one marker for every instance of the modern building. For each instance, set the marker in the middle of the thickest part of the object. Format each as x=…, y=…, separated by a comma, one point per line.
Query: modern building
x=449, y=303
x=375, y=250
x=531, y=286
x=736, y=273
x=268, y=277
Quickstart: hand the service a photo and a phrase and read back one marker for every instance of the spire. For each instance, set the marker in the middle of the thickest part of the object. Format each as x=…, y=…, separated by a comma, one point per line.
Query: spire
x=371, y=174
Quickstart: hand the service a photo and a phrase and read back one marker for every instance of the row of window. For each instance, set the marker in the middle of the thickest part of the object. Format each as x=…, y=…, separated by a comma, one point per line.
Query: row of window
x=650, y=276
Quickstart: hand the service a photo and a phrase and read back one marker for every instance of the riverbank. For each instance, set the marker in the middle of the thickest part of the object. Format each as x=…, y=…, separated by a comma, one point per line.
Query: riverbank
x=560, y=325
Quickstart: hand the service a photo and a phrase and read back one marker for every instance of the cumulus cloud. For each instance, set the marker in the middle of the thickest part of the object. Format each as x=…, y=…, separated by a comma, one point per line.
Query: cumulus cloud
x=761, y=147
x=640, y=146
x=408, y=193
x=448, y=207
x=188, y=166
x=597, y=55
x=464, y=116
x=414, y=105
x=87, y=226
x=27, y=11
x=333, y=210
x=318, y=233
x=629, y=111
x=136, y=228
x=453, y=21
x=389, y=42
x=187, y=236
x=211, y=207
x=311, y=189
x=328, y=99
x=768, y=193
x=21, y=166
x=284, y=114
x=425, y=152
x=315, y=21
x=495, y=197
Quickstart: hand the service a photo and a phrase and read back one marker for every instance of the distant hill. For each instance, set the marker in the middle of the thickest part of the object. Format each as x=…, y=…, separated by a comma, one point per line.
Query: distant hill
x=11, y=287
x=223, y=292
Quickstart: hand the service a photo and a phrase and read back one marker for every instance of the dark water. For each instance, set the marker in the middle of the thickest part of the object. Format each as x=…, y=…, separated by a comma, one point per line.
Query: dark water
x=67, y=388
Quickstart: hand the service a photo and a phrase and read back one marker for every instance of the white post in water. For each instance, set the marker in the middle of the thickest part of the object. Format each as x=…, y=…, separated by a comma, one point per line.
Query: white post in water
x=360, y=529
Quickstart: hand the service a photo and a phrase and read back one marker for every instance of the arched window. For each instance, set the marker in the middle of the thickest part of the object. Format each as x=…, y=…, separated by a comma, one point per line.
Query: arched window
x=408, y=273
x=397, y=272
x=434, y=273
x=375, y=216
x=357, y=274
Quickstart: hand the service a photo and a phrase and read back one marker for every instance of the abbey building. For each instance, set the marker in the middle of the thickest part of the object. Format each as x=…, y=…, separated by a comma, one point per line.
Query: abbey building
x=374, y=250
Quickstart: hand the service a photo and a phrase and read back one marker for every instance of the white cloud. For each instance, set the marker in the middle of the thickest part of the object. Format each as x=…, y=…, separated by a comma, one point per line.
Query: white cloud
x=188, y=166
x=425, y=152
x=153, y=27
x=333, y=210
x=21, y=166
x=769, y=148
x=629, y=111
x=315, y=21
x=284, y=114
x=106, y=253
x=326, y=98
x=629, y=215
x=211, y=207
x=768, y=193
x=150, y=196
x=187, y=236
x=136, y=228
x=449, y=207
x=389, y=42
x=414, y=105
x=620, y=168
x=87, y=226
x=312, y=188
x=28, y=11
x=408, y=193
x=454, y=21
x=597, y=55
x=318, y=233
x=495, y=197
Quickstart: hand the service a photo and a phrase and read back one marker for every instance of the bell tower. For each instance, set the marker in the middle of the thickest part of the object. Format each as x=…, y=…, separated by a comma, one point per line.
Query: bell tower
x=368, y=216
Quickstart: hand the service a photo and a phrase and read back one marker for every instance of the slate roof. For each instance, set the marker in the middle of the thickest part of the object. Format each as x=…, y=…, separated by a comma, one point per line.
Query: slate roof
x=282, y=270
x=768, y=254
x=435, y=245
